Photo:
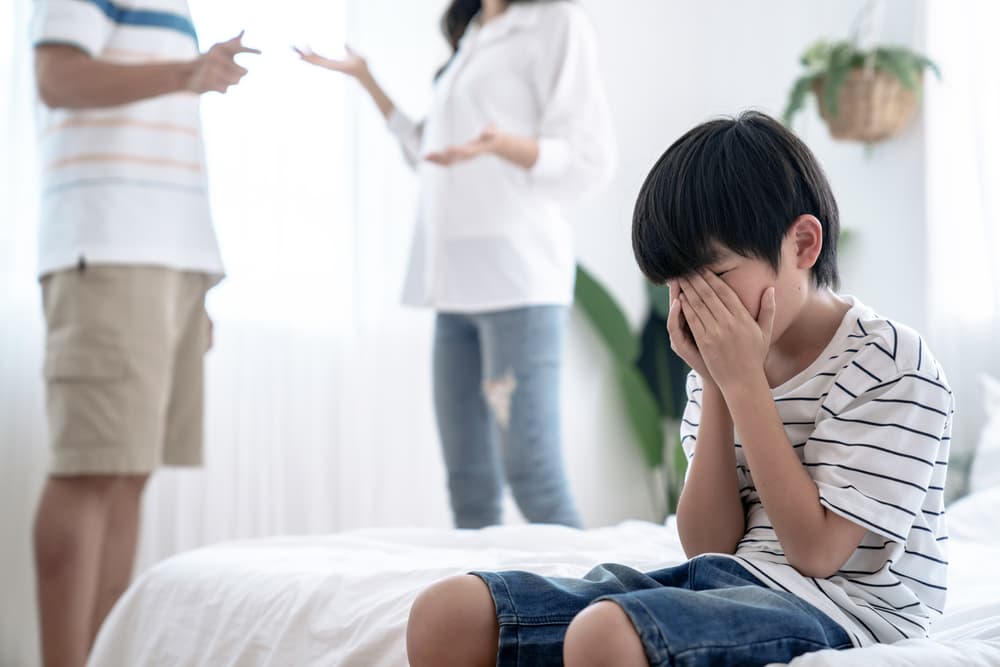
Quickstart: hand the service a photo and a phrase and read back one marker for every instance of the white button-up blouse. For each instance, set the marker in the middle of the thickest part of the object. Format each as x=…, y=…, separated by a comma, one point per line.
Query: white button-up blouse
x=491, y=235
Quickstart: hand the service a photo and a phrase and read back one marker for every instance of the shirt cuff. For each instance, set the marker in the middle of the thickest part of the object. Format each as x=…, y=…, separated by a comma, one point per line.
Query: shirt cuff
x=553, y=158
x=400, y=125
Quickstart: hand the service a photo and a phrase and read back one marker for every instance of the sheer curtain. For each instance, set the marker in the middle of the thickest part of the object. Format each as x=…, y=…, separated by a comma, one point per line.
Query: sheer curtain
x=963, y=203
x=318, y=409
x=22, y=419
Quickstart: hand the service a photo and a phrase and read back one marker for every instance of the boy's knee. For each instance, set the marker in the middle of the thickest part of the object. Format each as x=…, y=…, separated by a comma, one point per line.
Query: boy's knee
x=453, y=623
x=602, y=634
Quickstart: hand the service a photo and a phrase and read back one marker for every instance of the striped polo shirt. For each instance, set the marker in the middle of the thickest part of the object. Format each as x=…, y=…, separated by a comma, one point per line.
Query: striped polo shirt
x=870, y=419
x=124, y=185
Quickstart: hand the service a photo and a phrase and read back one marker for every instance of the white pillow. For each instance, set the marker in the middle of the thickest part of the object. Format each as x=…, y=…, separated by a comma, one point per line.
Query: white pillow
x=985, y=471
x=974, y=517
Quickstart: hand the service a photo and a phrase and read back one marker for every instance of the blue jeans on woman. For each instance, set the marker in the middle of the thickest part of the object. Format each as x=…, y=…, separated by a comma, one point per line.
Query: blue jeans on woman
x=496, y=396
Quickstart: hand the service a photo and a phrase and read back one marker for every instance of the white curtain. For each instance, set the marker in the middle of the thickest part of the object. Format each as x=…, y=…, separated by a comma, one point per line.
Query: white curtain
x=317, y=402
x=963, y=203
x=22, y=420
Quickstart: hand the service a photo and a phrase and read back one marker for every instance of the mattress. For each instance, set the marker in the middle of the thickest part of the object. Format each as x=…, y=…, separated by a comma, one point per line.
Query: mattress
x=344, y=599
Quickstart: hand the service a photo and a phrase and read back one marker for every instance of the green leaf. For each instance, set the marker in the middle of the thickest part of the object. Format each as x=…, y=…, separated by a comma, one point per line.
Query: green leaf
x=899, y=65
x=606, y=316
x=659, y=299
x=817, y=56
x=842, y=61
x=797, y=98
x=644, y=414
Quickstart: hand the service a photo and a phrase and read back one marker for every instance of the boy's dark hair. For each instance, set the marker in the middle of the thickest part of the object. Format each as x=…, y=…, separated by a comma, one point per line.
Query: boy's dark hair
x=737, y=182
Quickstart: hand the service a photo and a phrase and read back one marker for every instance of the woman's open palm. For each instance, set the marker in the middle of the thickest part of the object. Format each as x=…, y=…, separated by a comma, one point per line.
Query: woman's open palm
x=352, y=64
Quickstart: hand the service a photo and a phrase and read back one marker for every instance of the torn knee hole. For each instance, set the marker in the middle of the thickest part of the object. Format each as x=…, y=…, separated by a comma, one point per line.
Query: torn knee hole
x=499, y=393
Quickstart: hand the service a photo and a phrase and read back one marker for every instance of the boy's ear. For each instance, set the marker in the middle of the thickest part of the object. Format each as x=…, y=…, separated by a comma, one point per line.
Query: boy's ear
x=806, y=235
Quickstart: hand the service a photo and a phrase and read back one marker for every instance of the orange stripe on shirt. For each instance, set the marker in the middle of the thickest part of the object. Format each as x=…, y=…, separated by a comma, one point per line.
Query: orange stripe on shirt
x=118, y=157
x=122, y=122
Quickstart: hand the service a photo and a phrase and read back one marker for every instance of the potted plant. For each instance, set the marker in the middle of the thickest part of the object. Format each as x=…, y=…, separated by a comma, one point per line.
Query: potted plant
x=863, y=95
x=652, y=380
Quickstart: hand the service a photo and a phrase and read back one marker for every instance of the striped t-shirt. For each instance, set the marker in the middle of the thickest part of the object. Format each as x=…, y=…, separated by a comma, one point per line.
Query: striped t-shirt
x=124, y=185
x=870, y=419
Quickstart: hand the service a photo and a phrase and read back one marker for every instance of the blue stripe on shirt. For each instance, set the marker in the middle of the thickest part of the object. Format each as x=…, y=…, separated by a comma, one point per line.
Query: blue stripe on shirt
x=146, y=18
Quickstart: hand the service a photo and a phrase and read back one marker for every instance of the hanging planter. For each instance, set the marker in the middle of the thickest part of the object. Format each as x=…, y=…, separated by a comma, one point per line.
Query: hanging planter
x=863, y=96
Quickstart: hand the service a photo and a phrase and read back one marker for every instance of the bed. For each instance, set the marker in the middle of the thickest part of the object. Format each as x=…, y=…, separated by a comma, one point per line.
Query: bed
x=344, y=599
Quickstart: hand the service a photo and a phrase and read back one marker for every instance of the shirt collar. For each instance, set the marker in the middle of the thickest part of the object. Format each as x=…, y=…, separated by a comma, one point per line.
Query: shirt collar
x=517, y=16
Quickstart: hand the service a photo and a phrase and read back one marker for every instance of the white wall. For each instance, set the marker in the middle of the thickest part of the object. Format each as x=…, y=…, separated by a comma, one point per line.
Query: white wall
x=671, y=64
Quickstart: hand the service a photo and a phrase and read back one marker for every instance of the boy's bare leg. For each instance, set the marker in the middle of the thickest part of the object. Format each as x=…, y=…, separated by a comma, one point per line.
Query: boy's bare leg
x=118, y=549
x=602, y=635
x=68, y=534
x=453, y=622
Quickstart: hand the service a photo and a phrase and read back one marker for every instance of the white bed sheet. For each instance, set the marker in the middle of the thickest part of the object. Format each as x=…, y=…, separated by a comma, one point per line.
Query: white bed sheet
x=344, y=599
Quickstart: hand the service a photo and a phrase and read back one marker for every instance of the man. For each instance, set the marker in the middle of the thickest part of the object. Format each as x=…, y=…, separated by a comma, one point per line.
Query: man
x=127, y=254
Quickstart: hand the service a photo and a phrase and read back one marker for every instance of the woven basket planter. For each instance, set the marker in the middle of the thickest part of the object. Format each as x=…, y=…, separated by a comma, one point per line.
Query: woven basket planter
x=870, y=106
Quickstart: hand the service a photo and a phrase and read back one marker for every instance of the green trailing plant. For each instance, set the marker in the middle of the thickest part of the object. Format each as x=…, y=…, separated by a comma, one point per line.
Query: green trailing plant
x=651, y=377
x=828, y=65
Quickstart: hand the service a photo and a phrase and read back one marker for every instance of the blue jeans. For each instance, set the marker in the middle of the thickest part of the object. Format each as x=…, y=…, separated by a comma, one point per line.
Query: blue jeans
x=706, y=612
x=496, y=396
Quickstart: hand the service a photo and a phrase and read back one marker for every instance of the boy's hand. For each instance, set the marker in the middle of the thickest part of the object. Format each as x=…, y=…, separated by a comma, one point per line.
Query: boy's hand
x=732, y=344
x=681, y=341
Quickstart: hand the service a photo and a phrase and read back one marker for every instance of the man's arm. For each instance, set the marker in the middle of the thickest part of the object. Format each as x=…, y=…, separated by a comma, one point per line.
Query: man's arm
x=734, y=345
x=710, y=517
x=68, y=78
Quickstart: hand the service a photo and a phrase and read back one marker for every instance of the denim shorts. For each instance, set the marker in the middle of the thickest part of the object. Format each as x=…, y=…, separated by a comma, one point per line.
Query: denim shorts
x=707, y=611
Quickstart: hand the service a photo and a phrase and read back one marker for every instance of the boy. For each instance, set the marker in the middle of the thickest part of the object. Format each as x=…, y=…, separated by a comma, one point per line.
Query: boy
x=817, y=434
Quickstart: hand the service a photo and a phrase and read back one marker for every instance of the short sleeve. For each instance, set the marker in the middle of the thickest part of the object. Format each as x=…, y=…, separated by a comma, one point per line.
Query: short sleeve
x=874, y=450
x=78, y=23
x=689, y=432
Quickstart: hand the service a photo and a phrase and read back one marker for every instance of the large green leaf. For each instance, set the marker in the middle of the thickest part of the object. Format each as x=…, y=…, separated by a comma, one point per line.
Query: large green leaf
x=606, y=316
x=643, y=412
x=659, y=299
x=664, y=371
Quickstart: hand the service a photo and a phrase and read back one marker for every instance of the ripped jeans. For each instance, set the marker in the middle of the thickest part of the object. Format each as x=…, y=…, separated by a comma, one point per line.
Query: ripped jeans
x=496, y=397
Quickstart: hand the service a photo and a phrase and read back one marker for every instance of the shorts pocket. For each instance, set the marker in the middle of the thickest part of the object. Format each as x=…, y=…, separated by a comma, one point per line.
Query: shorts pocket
x=65, y=363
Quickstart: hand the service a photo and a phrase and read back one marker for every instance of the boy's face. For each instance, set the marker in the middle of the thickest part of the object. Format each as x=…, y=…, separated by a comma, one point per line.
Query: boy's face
x=749, y=277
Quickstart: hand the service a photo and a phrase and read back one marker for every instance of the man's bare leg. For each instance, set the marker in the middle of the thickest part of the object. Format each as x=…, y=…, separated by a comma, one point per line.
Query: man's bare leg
x=121, y=535
x=68, y=535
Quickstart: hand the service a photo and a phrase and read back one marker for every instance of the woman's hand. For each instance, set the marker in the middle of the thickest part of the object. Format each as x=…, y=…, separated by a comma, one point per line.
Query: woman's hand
x=486, y=143
x=352, y=64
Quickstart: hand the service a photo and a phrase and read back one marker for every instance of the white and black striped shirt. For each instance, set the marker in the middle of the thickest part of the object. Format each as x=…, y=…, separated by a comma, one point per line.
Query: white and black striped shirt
x=870, y=419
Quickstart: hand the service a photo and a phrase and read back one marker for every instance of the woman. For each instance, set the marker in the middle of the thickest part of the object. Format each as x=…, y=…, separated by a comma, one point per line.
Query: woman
x=518, y=126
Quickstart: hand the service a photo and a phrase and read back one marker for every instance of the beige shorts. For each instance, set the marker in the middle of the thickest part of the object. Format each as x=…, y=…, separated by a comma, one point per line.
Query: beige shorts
x=124, y=368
